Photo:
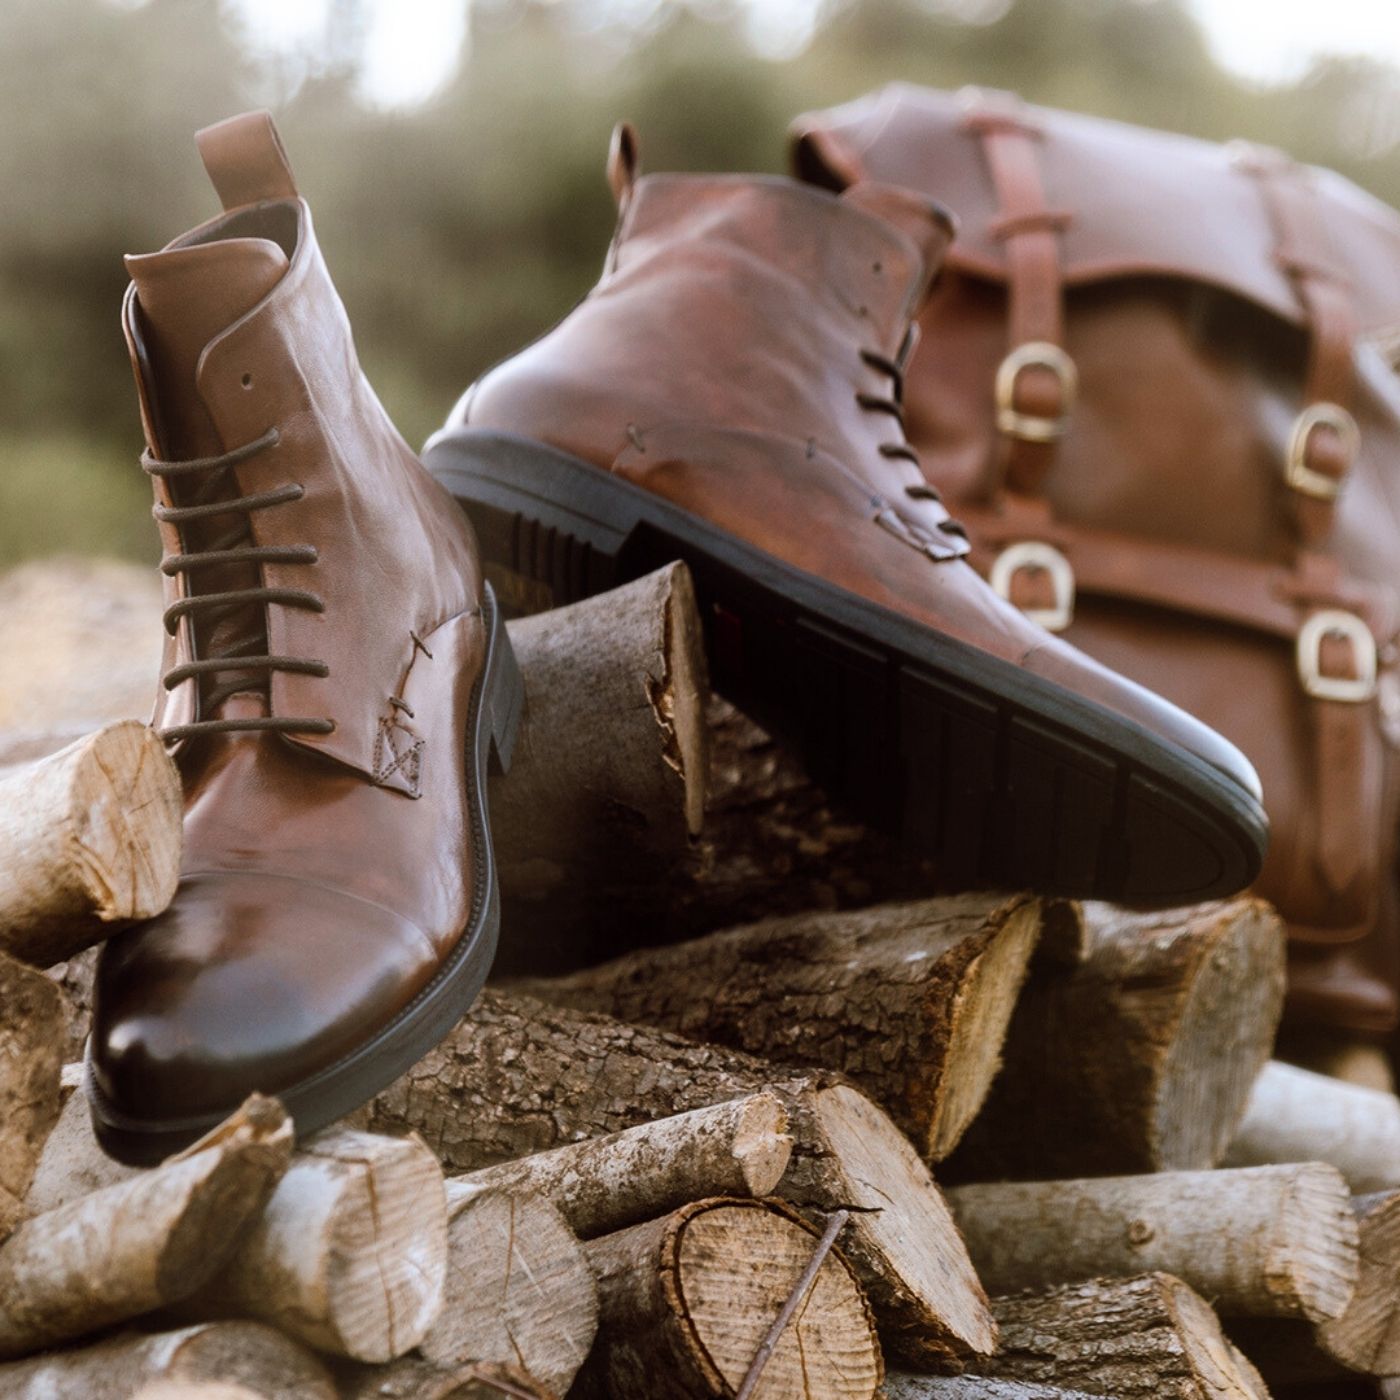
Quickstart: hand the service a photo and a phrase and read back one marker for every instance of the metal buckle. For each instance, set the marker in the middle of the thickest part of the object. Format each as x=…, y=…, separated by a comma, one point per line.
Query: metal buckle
x=1297, y=473
x=1332, y=622
x=1032, y=427
x=1035, y=554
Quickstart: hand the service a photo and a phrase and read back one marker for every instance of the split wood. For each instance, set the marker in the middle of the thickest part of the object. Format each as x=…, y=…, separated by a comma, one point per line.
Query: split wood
x=1142, y=1058
x=517, y=1076
x=911, y=1001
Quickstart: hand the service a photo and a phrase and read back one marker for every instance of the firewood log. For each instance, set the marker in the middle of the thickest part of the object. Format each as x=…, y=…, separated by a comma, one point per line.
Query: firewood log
x=737, y=1148
x=1144, y=1338
x=1365, y=1337
x=349, y=1254
x=410, y=1378
x=911, y=1001
x=141, y=1244
x=608, y=781
x=1142, y=1058
x=689, y=1300
x=1267, y=1241
x=1296, y=1116
x=248, y=1354
x=517, y=1076
x=194, y=1390
x=518, y=1289
x=89, y=841
x=901, y=1386
x=31, y=1050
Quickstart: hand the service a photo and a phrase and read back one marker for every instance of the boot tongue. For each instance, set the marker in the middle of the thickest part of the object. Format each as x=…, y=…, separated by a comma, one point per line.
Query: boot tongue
x=924, y=220
x=187, y=297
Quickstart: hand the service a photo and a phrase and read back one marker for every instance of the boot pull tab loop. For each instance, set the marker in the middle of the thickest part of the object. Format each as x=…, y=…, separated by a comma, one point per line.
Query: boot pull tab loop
x=624, y=163
x=245, y=160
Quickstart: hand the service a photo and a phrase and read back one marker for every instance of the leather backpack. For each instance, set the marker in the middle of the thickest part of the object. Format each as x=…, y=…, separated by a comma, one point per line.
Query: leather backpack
x=1157, y=384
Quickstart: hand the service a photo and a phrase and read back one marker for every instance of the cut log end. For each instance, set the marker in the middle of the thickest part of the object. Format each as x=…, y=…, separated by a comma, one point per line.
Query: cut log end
x=761, y=1146
x=518, y=1289
x=1204, y=1065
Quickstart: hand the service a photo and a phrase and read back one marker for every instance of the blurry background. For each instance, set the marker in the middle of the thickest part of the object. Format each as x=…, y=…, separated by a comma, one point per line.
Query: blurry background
x=452, y=151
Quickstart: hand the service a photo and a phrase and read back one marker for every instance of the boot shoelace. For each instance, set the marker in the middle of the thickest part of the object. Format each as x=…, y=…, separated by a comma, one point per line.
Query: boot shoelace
x=228, y=547
x=894, y=406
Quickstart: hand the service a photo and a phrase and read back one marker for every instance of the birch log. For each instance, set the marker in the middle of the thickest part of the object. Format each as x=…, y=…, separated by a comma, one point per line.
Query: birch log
x=1142, y=1058
x=1268, y=1241
x=1365, y=1337
x=688, y=1300
x=1145, y=1338
x=350, y=1253
x=89, y=841
x=517, y=1076
x=248, y=1354
x=1295, y=1115
x=737, y=1148
x=31, y=1053
x=518, y=1287
x=141, y=1244
x=911, y=1001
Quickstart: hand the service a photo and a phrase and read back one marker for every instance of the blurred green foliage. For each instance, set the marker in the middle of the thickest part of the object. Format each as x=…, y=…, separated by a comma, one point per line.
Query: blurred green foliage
x=460, y=229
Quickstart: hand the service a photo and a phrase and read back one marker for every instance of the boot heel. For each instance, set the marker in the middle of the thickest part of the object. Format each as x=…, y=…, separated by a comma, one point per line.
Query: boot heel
x=552, y=529
x=504, y=697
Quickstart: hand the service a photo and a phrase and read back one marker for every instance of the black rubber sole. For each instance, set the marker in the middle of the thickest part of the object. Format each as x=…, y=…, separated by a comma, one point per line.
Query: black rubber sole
x=336, y=1090
x=1001, y=778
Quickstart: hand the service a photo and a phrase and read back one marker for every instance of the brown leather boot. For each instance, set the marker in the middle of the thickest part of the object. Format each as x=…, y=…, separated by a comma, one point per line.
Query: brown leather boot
x=336, y=673
x=729, y=395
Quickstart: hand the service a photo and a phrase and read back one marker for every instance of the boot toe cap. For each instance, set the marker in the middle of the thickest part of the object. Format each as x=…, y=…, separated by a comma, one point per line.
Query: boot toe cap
x=248, y=982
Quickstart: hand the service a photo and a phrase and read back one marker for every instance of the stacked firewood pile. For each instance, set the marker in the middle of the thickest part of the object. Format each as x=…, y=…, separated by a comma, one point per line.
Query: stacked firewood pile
x=813, y=1134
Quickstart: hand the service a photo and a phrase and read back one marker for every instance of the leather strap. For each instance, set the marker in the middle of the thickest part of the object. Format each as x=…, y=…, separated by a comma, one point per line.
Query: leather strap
x=1030, y=229
x=246, y=161
x=1304, y=251
x=1270, y=598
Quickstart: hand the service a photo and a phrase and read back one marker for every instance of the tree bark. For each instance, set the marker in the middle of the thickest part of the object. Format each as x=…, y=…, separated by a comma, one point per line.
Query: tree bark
x=349, y=1255
x=412, y=1379
x=1297, y=1116
x=910, y=1001
x=31, y=1063
x=1142, y=1058
x=519, y=1288
x=89, y=841
x=1144, y=1338
x=517, y=1076
x=141, y=1244
x=249, y=1354
x=737, y=1148
x=687, y=1301
x=906, y=1387
x=1266, y=1241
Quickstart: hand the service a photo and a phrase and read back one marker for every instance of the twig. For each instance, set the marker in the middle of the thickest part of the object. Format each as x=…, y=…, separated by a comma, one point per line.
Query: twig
x=834, y=1226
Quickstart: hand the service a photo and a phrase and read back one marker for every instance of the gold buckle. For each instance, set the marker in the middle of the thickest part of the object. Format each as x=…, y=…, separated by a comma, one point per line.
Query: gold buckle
x=1034, y=554
x=1298, y=474
x=1033, y=427
x=1332, y=622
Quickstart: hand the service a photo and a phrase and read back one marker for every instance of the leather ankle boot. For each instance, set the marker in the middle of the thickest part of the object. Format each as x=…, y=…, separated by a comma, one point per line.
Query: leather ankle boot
x=336, y=676
x=729, y=395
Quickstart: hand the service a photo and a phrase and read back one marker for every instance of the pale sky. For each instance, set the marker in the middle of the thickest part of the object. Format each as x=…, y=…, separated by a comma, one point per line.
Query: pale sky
x=413, y=44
